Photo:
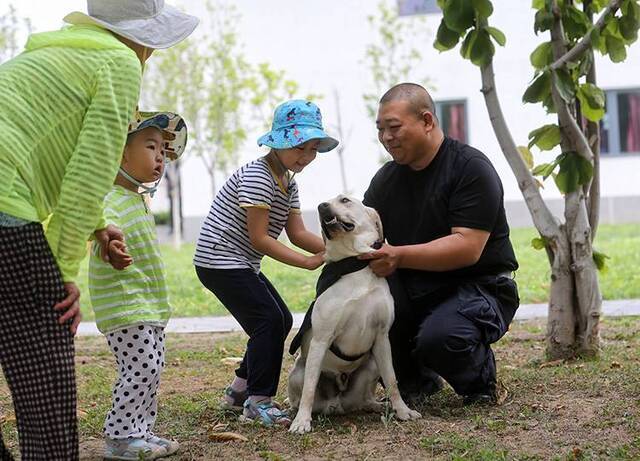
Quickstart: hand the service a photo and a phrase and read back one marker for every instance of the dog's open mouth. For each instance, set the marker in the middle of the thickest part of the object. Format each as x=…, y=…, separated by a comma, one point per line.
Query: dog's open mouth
x=332, y=225
x=335, y=222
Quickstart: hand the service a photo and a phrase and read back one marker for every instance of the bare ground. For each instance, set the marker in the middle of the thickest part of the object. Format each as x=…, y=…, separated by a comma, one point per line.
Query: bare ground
x=586, y=409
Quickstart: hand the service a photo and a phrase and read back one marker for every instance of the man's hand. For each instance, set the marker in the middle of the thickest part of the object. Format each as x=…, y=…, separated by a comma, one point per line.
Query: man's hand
x=383, y=262
x=70, y=304
x=106, y=235
x=118, y=256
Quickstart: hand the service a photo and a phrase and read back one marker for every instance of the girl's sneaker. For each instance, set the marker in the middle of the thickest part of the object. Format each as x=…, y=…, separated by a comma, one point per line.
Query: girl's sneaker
x=265, y=413
x=170, y=446
x=132, y=450
x=233, y=400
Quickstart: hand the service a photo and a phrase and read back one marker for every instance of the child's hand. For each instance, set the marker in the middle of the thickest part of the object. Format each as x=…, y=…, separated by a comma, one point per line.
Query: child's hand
x=118, y=256
x=105, y=236
x=315, y=261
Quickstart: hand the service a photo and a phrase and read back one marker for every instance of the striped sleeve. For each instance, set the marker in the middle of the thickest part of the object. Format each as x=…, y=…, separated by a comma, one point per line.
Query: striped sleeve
x=294, y=201
x=255, y=187
x=93, y=165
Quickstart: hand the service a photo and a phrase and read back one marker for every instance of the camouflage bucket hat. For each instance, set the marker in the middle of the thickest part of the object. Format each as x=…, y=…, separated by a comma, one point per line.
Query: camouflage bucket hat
x=174, y=130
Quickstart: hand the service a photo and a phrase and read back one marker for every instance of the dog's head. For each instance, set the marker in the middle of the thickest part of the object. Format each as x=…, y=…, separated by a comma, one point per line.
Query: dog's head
x=348, y=227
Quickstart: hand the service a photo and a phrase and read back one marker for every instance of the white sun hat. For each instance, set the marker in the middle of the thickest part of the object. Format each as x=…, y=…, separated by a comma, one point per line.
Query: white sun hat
x=150, y=23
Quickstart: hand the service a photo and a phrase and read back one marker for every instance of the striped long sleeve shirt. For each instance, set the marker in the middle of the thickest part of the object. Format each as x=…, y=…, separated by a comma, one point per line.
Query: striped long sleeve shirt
x=66, y=104
x=138, y=294
x=224, y=241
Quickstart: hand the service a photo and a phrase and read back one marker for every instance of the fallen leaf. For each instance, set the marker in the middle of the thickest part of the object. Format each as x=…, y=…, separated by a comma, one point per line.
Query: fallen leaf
x=616, y=365
x=82, y=414
x=10, y=418
x=231, y=360
x=219, y=427
x=353, y=428
x=552, y=363
x=227, y=437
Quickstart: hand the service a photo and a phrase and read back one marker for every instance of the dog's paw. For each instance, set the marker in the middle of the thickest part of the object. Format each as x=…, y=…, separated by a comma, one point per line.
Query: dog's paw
x=406, y=414
x=300, y=426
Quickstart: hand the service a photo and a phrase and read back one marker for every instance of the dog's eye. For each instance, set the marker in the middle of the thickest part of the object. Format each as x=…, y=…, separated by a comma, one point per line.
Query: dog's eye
x=344, y=200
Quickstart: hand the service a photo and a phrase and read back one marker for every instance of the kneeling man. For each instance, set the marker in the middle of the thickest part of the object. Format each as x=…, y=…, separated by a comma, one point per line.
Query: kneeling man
x=449, y=259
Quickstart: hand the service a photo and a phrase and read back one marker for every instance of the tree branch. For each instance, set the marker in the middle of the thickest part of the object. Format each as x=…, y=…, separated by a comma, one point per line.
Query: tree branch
x=585, y=42
x=568, y=123
x=542, y=217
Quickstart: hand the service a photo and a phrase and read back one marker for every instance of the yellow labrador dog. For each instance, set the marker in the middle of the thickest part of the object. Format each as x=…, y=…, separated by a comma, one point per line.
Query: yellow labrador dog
x=346, y=350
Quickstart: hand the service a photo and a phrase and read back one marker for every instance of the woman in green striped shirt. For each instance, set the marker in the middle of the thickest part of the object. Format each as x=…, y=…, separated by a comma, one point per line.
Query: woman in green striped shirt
x=66, y=104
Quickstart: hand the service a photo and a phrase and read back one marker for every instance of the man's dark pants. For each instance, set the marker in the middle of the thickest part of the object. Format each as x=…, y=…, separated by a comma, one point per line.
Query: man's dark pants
x=450, y=332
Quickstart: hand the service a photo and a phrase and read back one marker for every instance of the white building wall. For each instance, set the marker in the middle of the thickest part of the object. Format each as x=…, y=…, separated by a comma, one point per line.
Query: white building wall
x=325, y=49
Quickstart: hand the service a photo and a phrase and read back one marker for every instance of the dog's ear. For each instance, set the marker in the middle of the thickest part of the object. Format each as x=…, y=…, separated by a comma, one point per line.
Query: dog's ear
x=375, y=217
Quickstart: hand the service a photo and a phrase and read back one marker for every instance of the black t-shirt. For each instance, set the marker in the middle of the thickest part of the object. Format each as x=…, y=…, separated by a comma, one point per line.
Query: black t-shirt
x=459, y=188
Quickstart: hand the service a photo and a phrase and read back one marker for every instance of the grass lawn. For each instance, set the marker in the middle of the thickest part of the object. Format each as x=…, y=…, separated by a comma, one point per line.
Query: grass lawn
x=297, y=286
x=580, y=410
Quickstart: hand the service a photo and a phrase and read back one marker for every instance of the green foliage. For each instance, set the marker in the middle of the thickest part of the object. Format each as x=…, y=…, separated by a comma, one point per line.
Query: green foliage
x=538, y=243
x=546, y=137
x=219, y=93
x=539, y=89
x=600, y=260
x=542, y=56
x=12, y=28
x=391, y=59
x=592, y=101
x=575, y=171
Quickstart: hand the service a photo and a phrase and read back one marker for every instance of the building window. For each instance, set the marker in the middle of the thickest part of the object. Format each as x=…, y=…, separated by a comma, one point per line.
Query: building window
x=620, y=126
x=414, y=7
x=453, y=119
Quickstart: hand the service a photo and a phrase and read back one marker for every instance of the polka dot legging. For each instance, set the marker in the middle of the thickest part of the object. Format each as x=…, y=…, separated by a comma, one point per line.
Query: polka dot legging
x=139, y=352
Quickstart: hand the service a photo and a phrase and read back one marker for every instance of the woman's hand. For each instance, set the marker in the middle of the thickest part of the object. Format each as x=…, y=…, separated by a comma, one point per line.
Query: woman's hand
x=70, y=304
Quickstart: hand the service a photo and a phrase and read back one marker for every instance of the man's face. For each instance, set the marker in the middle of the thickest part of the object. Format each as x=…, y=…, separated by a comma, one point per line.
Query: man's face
x=403, y=134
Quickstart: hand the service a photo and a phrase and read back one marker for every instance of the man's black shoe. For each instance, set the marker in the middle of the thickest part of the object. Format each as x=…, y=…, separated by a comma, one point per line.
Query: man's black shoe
x=480, y=399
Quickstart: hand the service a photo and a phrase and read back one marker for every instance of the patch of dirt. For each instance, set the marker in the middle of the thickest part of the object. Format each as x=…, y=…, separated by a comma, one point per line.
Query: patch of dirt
x=583, y=409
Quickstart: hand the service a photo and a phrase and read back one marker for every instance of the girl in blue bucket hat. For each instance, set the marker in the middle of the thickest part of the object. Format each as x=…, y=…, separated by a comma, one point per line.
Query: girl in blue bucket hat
x=243, y=225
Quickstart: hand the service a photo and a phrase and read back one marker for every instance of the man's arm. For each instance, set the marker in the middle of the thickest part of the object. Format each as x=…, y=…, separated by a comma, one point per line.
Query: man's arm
x=460, y=249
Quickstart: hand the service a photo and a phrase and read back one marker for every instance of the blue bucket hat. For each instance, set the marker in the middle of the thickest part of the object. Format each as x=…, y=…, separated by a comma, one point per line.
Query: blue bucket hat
x=296, y=122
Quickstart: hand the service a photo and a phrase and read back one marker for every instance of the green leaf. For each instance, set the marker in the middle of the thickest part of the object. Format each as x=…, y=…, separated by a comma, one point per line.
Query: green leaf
x=526, y=155
x=538, y=243
x=544, y=170
x=482, y=49
x=483, y=8
x=465, y=49
x=539, y=89
x=543, y=21
x=585, y=64
x=615, y=48
x=459, y=15
x=575, y=171
x=600, y=260
x=565, y=85
x=575, y=22
x=545, y=138
x=537, y=4
x=541, y=56
x=497, y=35
x=630, y=21
x=446, y=38
x=592, y=101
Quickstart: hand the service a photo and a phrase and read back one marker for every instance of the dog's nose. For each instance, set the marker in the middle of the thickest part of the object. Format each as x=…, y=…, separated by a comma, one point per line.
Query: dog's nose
x=323, y=206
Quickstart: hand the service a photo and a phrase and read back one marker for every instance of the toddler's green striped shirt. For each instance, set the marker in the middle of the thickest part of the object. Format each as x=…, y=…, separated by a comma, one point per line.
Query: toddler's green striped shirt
x=137, y=294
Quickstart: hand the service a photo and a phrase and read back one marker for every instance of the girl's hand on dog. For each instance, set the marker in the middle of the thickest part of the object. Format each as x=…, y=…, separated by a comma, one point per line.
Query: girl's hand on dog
x=118, y=256
x=315, y=261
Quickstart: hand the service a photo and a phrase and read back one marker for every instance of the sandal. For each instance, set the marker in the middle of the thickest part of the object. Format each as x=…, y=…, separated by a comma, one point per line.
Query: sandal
x=238, y=399
x=265, y=413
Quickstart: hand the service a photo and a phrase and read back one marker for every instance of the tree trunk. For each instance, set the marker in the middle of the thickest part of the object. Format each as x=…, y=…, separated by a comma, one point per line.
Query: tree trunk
x=176, y=218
